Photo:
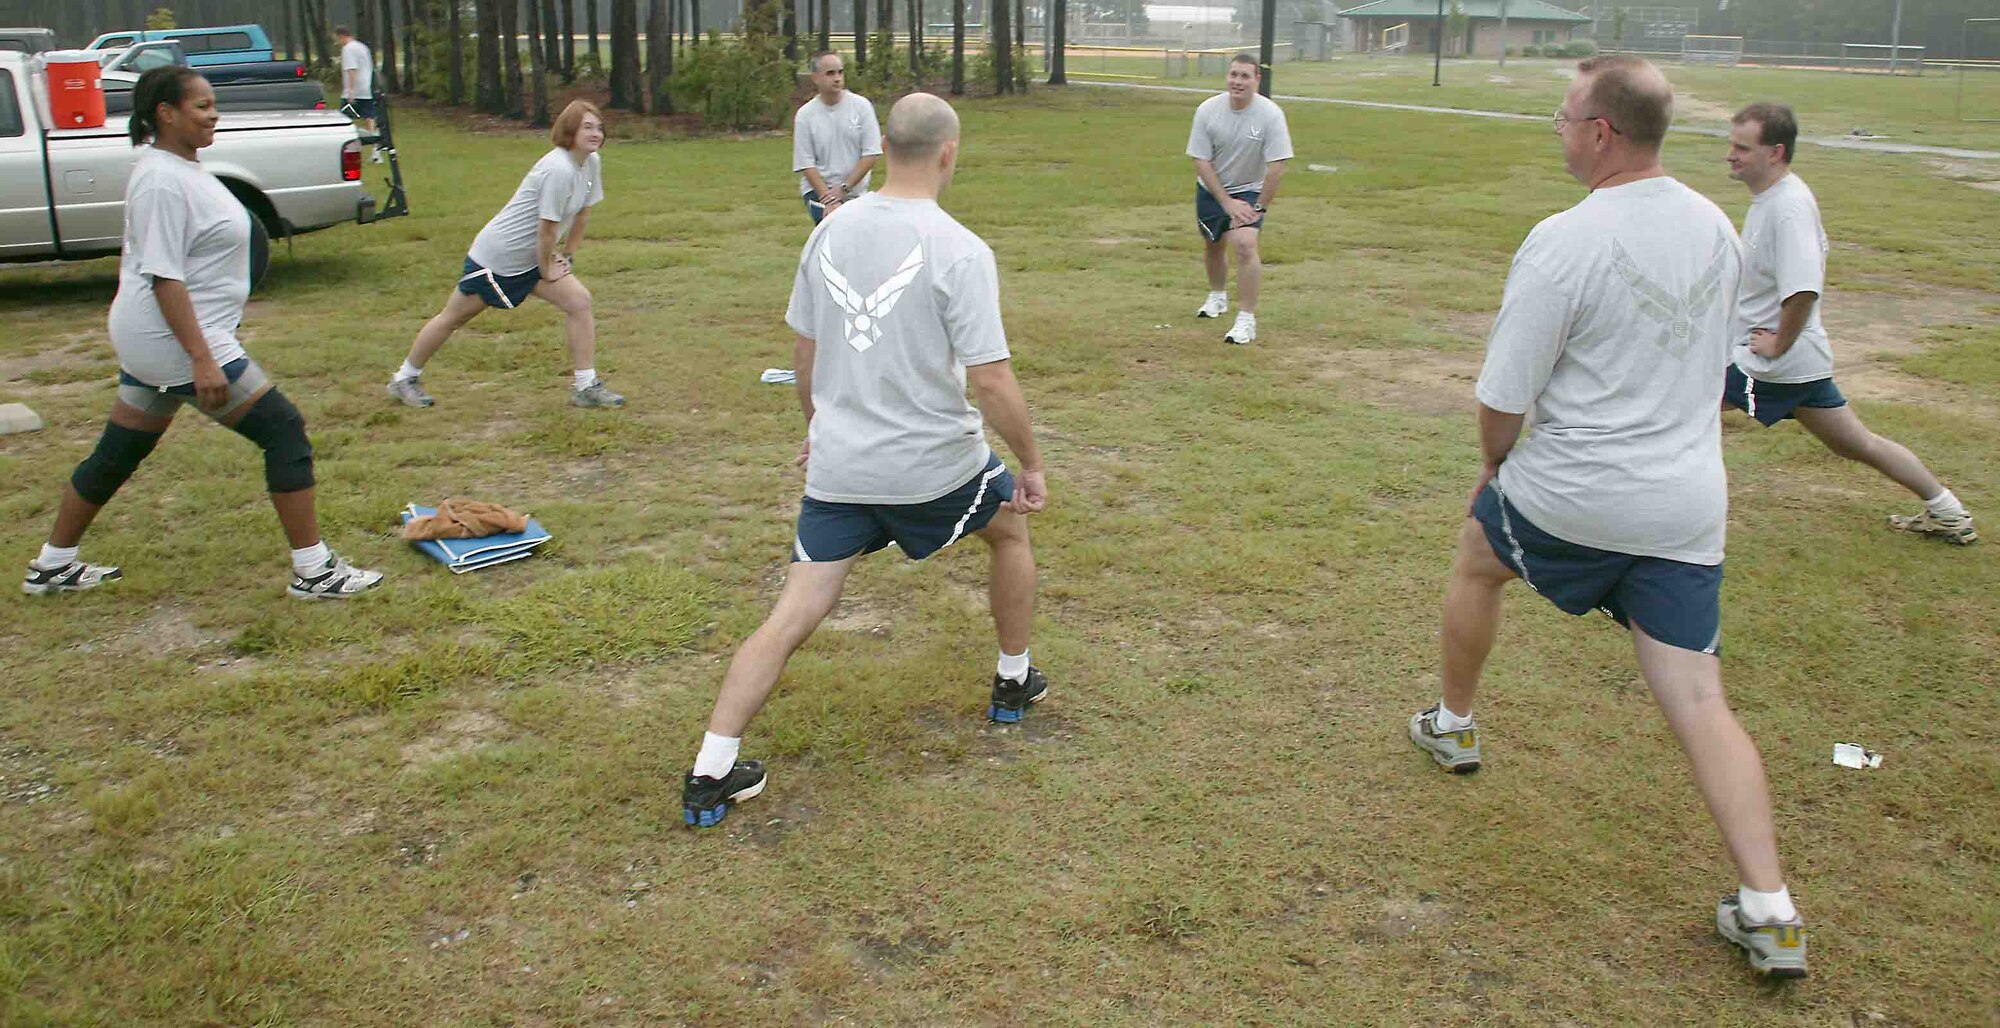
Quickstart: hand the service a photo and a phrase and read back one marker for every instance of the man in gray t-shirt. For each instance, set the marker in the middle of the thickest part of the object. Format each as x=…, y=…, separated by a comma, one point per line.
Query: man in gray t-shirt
x=1240, y=144
x=1609, y=348
x=835, y=140
x=1784, y=365
x=896, y=307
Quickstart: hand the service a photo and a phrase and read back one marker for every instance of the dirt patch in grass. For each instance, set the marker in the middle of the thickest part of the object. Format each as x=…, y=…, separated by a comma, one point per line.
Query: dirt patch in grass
x=1871, y=330
x=1424, y=381
x=462, y=733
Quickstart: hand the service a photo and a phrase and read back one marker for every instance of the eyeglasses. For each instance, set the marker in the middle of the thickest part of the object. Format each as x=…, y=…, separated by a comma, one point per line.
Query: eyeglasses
x=1562, y=120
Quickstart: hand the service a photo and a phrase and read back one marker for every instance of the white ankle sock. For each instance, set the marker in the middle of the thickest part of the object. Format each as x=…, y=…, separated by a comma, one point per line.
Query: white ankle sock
x=55, y=556
x=1447, y=721
x=1219, y=294
x=1014, y=667
x=1945, y=505
x=1766, y=907
x=585, y=377
x=717, y=756
x=1246, y=316
x=408, y=370
x=311, y=558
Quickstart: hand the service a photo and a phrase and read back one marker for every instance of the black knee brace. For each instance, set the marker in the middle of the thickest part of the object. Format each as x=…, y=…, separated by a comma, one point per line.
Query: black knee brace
x=119, y=451
x=279, y=430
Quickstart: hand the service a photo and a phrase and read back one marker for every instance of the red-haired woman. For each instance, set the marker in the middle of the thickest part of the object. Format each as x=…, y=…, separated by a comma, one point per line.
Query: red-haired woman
x=526, y=251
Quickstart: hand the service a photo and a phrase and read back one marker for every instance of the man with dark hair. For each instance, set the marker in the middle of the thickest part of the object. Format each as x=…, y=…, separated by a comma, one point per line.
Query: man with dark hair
x=835, y=140
x=1240, y=144
x=1613, y=331
x=1783, y=364
x=896, y=307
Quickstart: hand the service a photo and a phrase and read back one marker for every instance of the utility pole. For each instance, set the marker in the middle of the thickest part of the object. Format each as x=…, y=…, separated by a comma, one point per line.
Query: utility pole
x=1896, y=36
x=1437, y=47
x=1503, y=33
x=1269, y=44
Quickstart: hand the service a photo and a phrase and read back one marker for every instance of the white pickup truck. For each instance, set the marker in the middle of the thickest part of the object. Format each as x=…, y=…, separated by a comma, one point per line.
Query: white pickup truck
x=62, y=191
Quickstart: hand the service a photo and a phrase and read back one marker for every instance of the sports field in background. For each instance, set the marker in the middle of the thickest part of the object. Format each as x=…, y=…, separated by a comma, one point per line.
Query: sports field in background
x=455, y=802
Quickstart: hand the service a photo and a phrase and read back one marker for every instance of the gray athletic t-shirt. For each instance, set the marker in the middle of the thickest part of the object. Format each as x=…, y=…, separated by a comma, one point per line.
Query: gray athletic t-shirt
x=181, y=223
x=1784, y=253
x=1239, y=143
x=900, y=299
x=1615, y=331
x=834, y=139
x=555, y=189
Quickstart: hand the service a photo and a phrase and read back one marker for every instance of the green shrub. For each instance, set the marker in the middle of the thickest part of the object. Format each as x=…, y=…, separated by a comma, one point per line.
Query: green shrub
x=979, y=71
x=1580, y=48
x=1531, y=51
x=742, y=82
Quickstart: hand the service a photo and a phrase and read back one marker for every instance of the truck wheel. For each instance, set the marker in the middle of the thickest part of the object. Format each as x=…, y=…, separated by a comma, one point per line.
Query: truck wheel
x=260, y=250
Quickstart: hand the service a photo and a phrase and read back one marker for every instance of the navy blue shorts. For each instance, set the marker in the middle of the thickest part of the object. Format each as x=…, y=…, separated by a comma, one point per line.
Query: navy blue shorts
x=837, y=531
x=814, y=207
x=364, y=108
x=1676, y=603
x=508, y=291
x=1772, y=402
x=1214, y=221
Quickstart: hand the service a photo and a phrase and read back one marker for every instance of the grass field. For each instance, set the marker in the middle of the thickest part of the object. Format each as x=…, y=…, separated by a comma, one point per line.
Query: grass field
x=1911, y=109
x=455, y=802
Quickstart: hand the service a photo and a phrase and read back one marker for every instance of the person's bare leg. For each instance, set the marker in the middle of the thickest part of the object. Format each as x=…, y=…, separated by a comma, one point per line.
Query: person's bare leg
x=1471, y=615
x=458, y=309
x=75, y=514
x=1010, y=583
x=811, y=590
x=1727, y=768
x=1249, y=267
x=1842, y=432
x=579, y=326
x=1215, y=258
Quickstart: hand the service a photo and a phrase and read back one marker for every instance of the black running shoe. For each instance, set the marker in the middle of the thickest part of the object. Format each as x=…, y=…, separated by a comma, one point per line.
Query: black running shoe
x=1011, y=698
x=705, y=801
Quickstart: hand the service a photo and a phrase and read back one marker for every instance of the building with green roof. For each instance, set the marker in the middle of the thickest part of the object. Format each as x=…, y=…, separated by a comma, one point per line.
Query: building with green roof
x=1405, y=26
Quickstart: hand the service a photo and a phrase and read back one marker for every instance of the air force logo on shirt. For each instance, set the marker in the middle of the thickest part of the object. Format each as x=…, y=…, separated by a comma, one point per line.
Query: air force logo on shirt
x=1674, y=314
x=865, y=316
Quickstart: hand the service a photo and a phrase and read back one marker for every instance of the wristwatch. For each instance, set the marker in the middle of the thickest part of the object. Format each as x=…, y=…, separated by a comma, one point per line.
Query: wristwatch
x=1258, y=207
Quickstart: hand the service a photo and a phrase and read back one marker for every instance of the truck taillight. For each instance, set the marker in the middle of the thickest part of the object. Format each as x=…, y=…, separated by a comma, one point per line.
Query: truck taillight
x=350, y=161
x=302, y=71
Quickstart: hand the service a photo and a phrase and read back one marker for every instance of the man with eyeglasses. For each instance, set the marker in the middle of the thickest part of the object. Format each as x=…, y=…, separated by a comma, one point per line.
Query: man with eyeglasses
x=1614, y=330
x=1783, y=363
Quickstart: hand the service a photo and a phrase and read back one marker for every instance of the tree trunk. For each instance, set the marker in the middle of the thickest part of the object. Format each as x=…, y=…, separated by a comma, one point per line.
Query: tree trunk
x=958, y=47
x=1059, y=38
x=538, y=66
x=825, y=25
x=386, y=47
x=412, y=60
x=694, y=22
x=455, y=70
x=567, y=9
x=625, y=86
x=659, y=56
x=1003, y=50
x=790, y=27
x=917, y=41
x=1020, y=23
x=551, y=34
x=510, y=58
x=488, y=95
x=860, y=33
x=590, y=29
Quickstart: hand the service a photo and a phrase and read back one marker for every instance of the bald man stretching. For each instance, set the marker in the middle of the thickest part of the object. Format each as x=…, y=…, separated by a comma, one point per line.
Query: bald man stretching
x=907, y=302
x=1614, y=331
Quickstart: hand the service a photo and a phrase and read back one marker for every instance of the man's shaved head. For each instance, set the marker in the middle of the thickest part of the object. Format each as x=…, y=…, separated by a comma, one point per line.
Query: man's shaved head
x=1630, y=93
x=919, y=126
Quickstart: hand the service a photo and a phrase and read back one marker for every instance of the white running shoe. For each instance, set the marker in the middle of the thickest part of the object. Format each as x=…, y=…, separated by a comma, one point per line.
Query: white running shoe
x=1215, y=306
x=1245, y=330
x=1952, y=528
x=72, y=577
x=334, y=580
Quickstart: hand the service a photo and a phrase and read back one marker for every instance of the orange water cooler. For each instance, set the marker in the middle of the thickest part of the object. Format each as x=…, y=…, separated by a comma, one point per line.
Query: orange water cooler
x=76, y=97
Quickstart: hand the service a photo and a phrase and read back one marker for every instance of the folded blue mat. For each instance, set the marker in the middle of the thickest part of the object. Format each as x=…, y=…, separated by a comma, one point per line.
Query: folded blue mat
x=462, y=555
